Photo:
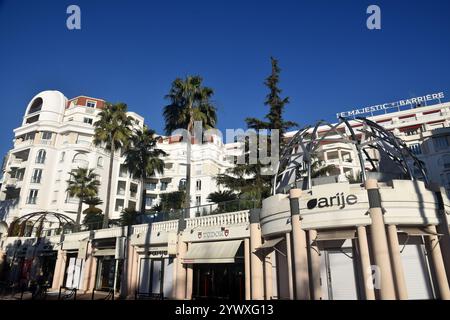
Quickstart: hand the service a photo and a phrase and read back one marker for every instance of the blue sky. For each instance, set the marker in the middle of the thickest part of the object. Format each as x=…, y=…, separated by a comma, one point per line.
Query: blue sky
x=131, y=51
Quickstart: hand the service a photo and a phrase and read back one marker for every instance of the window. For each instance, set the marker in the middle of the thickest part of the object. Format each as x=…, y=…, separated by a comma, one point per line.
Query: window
x=46, y=135
x=150, y=186
x=70, y=119
x=18, y=174
x=149, y=201
x=33, y=119
x=119, y=205
x=133, y=190
x=36, y=177
x=198, y=185
x=182, y=184
x=198, y=200
x=415, y=148
x=198, y=169
x=121, y=185
x=164, y=185
x=40, y=158
x=100, y=162
x=63, y=154
x=131, y=205
x=440, y=143
x=91, y=104
x=123, y=171
x=32, y=196
x=36, y=106
x=87, y=120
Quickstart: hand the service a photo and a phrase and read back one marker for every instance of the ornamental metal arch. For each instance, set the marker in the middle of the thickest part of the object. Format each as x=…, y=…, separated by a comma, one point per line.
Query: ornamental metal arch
x=373, y=145
x=36, y=220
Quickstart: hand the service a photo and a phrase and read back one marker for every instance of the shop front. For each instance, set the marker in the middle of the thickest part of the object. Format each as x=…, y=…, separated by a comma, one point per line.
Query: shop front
x=218, y=269
x=348, y=246
x=217, y=257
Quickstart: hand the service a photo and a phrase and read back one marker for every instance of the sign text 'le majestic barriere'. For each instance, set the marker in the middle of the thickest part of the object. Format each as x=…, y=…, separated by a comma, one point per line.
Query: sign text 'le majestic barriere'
x=417, y=101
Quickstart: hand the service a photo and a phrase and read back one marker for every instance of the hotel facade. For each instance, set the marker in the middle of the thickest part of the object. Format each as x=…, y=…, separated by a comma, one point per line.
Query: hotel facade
x=385, y=236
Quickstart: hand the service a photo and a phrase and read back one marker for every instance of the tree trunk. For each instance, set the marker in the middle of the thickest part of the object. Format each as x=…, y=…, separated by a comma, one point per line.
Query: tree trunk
x=187, y=201
x=144, y=194
x=80, y=207
x=108, y=192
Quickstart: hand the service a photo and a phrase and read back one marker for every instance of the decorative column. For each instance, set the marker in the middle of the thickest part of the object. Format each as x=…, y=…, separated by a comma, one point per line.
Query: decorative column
x=268, y=276
x=434, y=250
x=257, y=269
x=58, y=275
x=380, y=247
x=397, y=266
x=314, y=265
x=443, y=228
x=189, y=279
x=88, y=271
x=364, y=257
x=300, y=250
x=289, y=266
x=180, y=291
x=248, y=295
x=130, y=265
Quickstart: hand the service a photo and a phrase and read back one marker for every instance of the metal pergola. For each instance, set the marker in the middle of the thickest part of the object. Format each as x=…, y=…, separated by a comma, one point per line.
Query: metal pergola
x=362, y=135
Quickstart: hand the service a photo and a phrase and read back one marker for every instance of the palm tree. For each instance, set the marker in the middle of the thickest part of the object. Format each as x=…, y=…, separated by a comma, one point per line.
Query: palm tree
x=112, y=131
x=189, y=102
x=82, y=184
x=129, y=217
x=92, y=202
x=142, y=158
x=222, y=196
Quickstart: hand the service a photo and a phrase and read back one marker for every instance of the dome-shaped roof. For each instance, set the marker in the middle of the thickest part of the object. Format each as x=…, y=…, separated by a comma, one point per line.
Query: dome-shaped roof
x=52, y=100
x=45, y=106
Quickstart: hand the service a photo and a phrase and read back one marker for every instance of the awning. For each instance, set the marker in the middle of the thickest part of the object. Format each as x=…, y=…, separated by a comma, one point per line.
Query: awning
x=418, y=231
x=335, y=235
x=269, y=244
x=212, y=252
x=104, y=252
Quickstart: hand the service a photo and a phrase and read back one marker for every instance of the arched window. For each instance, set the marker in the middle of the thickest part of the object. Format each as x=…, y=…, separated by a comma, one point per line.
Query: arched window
x=100, y=162
x=182, y=184
x=40, y=157
x=36, y=106
x=198, y=185
x=80, y=159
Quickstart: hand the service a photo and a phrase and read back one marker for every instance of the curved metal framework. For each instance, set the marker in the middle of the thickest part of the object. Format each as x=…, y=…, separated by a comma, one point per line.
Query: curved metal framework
x=375, y=147
x=36, y=220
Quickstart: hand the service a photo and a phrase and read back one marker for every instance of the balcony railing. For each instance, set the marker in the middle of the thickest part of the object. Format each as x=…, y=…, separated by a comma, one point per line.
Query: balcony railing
x=81, y=163
x=225, y=213
x=224, y=219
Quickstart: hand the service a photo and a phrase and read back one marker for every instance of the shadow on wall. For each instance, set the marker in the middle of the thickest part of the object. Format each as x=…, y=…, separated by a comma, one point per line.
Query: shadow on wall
x=6, y=206
x=28, y=261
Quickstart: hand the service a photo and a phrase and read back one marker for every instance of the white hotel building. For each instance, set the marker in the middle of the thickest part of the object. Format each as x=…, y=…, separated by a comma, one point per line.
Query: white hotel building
x=55, y=137
x=288, y=249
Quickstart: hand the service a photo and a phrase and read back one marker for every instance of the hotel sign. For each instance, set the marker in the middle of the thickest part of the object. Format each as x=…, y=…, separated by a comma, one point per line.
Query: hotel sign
x=391, y=105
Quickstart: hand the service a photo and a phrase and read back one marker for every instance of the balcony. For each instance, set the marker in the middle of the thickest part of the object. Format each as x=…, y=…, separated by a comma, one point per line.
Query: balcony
x=224, y=219
x=13, y=183
x=16, y=163
x=80, y=163
x=23, y=143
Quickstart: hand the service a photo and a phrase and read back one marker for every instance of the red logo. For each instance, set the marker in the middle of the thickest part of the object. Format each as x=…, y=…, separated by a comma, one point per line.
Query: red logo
x=226, y=232
x=199, y=235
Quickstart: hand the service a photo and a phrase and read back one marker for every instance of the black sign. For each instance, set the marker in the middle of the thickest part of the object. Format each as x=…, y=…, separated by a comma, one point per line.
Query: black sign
x=339, y=200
